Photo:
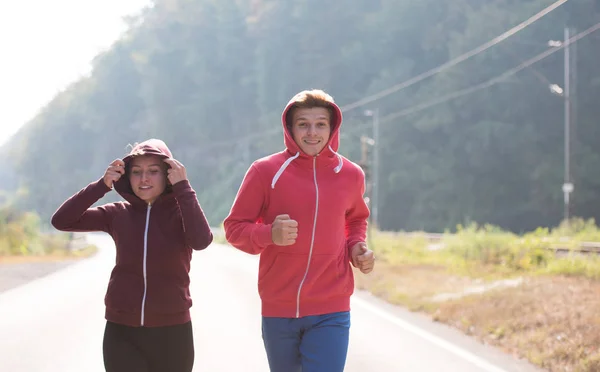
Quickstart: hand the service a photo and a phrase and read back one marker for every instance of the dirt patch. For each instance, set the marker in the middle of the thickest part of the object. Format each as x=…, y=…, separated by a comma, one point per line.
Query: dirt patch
x=410, y=285
x=553, y=321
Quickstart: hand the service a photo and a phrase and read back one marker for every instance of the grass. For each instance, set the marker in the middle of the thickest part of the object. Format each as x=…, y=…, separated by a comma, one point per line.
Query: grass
x=49, y=247
x=550, y=316
x=22, y=239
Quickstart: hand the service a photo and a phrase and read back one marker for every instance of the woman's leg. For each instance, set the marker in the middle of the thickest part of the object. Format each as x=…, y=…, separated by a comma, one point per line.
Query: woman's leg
x=171, y=348
x=119, y=350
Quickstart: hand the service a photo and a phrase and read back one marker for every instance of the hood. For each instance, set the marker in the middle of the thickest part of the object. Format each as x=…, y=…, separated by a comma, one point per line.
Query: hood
x=334, y=139
x=149, y=147
x=329, y=153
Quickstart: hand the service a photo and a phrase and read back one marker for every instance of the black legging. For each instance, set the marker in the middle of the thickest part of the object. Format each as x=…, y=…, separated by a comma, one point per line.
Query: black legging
x=148, y=349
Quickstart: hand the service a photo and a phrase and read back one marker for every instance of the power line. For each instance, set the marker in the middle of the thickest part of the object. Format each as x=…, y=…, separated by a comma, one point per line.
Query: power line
x=537, y=74
x=454, y=61
x=411, y=81
x=493, y=81
x=484, y=85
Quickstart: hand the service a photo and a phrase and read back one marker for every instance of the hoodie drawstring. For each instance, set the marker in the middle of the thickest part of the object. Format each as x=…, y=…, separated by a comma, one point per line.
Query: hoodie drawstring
x=337, y=169
x=340, y=162
x=282, y=168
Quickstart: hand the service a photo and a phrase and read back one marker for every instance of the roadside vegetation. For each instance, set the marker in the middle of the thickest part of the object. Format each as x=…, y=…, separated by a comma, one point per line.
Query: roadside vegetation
x=22, y=239
x=533, y=295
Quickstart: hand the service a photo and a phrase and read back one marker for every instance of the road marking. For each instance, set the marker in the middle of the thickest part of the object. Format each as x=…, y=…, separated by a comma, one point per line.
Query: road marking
x=250, y=266
x=428, y=336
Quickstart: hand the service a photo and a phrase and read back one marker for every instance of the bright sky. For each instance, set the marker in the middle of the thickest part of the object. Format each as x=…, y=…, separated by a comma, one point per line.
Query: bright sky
x=45, y=45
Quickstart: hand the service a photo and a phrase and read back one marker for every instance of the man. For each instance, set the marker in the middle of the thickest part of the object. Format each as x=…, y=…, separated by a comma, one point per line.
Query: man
x=302, y=210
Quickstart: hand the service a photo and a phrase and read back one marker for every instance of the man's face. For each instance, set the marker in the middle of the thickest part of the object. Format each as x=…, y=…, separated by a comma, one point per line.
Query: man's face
x=311, y=128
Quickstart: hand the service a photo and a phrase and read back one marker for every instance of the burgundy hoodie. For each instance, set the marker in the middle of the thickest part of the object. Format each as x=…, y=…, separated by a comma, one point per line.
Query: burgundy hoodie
x=149, y=285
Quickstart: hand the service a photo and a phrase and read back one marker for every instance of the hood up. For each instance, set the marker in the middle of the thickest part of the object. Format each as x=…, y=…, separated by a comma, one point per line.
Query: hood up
x=329, y=153
x=334, y=139
x=149, y=147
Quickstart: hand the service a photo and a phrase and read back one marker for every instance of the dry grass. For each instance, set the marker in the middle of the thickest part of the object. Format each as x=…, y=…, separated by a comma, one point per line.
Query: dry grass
x=552, y=318
x=408, y=285
x=552, y=321
x=57, y=255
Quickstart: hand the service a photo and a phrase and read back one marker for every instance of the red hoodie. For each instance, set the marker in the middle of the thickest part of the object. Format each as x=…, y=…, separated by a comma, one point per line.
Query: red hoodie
x=149, y=285
x=324, y=194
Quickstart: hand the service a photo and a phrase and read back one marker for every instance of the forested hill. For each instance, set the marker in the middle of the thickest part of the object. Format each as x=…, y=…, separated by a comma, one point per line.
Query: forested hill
x=211, y=77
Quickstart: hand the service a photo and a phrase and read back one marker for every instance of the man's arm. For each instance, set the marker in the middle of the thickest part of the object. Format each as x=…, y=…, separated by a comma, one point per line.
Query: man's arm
x=357, y=216
x=244, y=227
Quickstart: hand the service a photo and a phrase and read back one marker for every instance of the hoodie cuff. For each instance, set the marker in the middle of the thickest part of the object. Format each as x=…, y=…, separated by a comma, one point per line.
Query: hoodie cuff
x=262, y=236
x=100, y=186
x=181, y=187
x=351, y=243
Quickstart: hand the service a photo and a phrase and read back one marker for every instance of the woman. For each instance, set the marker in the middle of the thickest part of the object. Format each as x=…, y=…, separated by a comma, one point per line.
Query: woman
x=156, y=228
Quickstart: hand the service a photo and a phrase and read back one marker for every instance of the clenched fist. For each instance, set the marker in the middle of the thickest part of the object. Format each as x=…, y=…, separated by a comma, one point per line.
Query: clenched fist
x=284, y=230
x=362, y=257
x=114, y=171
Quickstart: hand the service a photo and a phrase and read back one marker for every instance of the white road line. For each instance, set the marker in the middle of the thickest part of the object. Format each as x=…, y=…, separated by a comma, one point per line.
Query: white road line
x=437, y=341
x=428, y=336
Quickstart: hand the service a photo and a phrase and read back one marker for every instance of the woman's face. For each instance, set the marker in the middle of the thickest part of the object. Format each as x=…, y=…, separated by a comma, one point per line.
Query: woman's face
x=148, y=177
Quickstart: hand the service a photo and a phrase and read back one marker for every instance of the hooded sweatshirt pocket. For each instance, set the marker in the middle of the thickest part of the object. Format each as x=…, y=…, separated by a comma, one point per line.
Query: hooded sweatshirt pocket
x=124, y=292
x=282, y=277
x=167, y=296
x=329, y=276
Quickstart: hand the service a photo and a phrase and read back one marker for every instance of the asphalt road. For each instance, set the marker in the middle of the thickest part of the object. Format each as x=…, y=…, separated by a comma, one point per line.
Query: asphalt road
x=56, y=323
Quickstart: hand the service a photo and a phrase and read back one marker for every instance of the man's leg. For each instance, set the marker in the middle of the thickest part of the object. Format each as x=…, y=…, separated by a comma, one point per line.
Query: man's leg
x=324, y=345
x=281, y=337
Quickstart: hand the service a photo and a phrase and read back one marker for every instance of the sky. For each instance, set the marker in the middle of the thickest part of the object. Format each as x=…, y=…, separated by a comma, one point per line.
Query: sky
x=46, y=45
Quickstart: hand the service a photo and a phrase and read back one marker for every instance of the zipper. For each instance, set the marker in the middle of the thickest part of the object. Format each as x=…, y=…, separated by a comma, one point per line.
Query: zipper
x=312, y=239
x=145, y=271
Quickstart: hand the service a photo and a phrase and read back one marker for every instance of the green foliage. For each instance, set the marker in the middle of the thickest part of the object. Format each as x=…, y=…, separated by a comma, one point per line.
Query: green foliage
x=20, y=235
x=211, y=77
x=489, y=250
x=18, y=232
x=490, y=245
x=588, y=267
x=579, y=230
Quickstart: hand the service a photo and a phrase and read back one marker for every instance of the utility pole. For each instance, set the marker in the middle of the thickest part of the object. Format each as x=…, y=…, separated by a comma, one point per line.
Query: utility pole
x=365, y=142
x=567, y=185
x=377, y=145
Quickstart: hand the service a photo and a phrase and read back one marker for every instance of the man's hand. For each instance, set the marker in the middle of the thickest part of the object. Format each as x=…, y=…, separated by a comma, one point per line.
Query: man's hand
x=284, y=230
x=362, y=257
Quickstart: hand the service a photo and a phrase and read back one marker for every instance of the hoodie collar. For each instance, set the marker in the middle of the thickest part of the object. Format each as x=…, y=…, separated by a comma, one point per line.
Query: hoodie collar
x=328, y=157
